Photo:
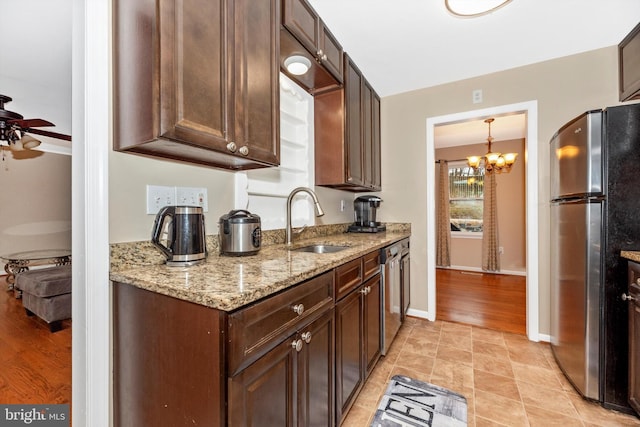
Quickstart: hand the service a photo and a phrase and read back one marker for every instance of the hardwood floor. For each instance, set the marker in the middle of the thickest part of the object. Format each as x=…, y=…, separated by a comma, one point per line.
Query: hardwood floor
x=492, y=301
x=36, y=364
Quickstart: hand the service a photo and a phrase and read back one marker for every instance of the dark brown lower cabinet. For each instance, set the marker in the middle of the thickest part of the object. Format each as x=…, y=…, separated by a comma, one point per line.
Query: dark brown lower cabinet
x=291, y=385
x=358, y=343
x=634, y=335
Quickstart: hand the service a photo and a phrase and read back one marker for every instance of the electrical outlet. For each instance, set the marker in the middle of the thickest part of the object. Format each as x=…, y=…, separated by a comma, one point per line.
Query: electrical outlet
x=342, y=205
x=159, y=196
x=501, y=250
x=192, y=196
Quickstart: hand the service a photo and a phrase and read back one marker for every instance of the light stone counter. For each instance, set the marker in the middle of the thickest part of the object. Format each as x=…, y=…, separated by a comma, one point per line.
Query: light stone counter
x=227, y=283
x=631, y=255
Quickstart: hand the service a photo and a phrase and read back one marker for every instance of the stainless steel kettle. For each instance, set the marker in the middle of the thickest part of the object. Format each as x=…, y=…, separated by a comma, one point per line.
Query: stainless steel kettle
x=185, y=242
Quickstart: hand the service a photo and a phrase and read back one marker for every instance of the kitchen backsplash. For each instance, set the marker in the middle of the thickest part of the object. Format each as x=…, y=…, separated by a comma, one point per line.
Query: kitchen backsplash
x=131, y=254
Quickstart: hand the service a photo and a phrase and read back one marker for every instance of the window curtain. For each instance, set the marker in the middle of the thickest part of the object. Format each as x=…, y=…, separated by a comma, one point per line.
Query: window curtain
x=490, y=255
x=443, y=225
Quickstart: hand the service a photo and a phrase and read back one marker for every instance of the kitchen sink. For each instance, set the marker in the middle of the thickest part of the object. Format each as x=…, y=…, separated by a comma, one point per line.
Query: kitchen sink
x=321, y=249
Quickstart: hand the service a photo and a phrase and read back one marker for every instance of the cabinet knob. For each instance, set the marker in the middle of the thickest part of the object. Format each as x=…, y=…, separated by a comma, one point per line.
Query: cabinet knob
x=244, y=150
x=324, y=57
x=232, y=147
x=365, y=290
x=297, y=344
x=319, y=54
x=306, y=337
x=298, y=309
x=638, y=281
x=626, y=297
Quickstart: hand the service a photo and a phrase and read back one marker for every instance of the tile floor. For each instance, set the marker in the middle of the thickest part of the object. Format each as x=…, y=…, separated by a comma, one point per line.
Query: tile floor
x=507, y=380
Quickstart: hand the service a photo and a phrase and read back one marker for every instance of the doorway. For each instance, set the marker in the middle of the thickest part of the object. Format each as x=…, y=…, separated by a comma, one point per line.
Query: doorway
x=531, y=187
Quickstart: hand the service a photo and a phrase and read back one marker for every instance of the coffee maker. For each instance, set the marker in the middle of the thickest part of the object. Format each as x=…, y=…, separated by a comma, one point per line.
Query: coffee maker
x=364, y=211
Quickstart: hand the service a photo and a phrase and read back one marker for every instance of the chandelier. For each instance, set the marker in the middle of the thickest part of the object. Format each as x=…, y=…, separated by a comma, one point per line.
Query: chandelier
x=493, y=161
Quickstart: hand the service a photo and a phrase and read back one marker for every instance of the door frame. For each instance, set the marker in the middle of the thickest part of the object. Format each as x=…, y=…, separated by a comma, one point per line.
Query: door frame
x=530, y=108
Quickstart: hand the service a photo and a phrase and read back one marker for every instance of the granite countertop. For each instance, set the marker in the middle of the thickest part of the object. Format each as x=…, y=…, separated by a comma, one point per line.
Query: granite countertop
x=631, y=255
x=228, y=283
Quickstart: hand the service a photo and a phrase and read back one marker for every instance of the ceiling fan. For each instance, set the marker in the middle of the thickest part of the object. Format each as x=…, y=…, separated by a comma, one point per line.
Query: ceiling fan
x=14, y=128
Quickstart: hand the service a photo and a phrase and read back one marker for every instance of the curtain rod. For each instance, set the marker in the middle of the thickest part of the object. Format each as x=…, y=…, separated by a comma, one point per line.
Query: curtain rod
x=453, y=160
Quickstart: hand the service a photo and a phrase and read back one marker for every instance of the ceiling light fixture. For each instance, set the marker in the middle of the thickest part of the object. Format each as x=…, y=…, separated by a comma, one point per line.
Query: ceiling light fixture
x=14, y=128
x=493, y=160
x=297, y=64
x=473, y=8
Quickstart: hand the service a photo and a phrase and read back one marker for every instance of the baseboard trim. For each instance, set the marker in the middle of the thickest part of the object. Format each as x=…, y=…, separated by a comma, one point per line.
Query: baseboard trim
x=479, y=270
x=420, y=313
x=544, y=337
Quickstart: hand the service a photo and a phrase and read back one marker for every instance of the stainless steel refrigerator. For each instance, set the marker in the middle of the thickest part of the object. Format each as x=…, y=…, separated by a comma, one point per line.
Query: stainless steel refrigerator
x=595, y=213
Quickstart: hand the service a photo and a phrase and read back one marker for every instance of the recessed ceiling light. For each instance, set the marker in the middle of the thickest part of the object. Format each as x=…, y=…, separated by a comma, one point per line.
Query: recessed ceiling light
x=472, y=8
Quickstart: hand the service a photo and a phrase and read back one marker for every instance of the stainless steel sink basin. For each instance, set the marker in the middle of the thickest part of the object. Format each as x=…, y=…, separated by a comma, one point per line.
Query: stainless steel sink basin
x=320, y=249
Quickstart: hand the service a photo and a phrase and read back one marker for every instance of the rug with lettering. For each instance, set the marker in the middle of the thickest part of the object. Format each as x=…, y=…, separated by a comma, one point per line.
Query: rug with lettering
x=411, y=403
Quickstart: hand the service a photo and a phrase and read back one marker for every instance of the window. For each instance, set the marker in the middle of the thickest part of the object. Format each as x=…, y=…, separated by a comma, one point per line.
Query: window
x=466, y=198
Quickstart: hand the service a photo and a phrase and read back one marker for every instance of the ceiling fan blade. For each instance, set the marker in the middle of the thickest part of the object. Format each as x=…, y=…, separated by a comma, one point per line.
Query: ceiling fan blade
x=48, y=133
x=31, y=123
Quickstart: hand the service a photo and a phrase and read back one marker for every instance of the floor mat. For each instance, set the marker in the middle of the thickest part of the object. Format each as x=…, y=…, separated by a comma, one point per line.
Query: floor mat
x=412, y=403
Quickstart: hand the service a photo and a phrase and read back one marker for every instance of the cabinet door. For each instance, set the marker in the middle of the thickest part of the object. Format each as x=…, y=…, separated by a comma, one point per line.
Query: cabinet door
x=264, y=393
x=349, y=360
x=353, y=123
x=255, y=79
x=302, y=21
x=372, y=322
x=375, y=142
x=367, y=135
x=331, y=52
x=316, y=373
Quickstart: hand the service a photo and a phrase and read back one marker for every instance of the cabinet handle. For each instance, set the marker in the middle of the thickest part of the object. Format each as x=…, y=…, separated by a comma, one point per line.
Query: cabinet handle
x=298, y=309
x=297, y=344
x=244, y=150
x=307, y=337
x=626, y=297
x=232, y=147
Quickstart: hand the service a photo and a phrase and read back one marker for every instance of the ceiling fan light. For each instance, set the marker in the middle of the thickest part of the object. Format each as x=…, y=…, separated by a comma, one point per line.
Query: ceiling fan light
x=297, y=64
x=16, y=145
x=29, y=142
x=473, y=8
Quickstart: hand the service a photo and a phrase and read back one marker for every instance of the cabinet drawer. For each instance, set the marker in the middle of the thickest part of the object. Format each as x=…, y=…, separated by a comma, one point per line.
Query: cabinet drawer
x=348, y=276
x=371, y=264
x=256, y=329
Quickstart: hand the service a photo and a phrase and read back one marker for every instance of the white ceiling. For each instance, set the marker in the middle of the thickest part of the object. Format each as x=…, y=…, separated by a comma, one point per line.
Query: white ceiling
x=400, y=46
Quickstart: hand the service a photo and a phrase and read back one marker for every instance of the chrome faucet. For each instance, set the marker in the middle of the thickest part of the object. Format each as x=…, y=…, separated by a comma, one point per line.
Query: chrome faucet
x=319, y=211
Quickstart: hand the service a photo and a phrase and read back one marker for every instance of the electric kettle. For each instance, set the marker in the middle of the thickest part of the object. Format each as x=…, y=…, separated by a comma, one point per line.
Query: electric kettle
x=183, y=227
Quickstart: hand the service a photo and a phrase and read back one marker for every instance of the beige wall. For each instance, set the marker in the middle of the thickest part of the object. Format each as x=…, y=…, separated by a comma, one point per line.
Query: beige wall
x=563, y=88
x=467, y=252
x=35, y=201
x=129, y=175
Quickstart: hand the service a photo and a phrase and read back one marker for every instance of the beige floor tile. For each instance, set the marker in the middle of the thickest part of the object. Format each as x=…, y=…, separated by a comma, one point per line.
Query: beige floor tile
x=487, y=335
x=452, y=375
x=529, y=357
x=454, y=354
x=489, y=349
x=534, y=375
x=457, y=339
x=424, y=336
x=416, y=362
x=458, y=327
x=491, y=364
x=500, y=409
x=371, y=392
x=539, y=417
x=596, y=415
x=420, y=346
x=496, y=384
x=549, y=399
x=483, y=422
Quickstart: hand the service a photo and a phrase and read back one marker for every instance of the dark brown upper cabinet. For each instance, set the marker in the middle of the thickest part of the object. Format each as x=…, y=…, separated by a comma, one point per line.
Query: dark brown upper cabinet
x=629, y=65
x=198, y=81
x=347, y=134
x=305, y=34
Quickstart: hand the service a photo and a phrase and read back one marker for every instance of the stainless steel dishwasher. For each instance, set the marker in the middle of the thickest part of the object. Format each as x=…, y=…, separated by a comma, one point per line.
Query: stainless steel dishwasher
x=390, y=257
